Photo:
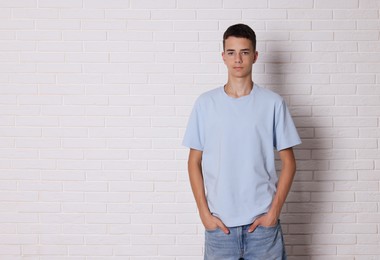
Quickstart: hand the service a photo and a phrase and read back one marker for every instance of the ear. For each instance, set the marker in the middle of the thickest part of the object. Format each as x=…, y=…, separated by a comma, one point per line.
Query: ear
x=256, y=55
x=223, y=57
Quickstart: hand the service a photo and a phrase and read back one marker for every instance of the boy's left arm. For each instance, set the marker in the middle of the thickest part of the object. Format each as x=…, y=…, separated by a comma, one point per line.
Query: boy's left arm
x=285, y=182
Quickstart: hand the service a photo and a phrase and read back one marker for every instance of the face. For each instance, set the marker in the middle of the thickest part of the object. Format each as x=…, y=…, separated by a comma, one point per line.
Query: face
x=239, y=56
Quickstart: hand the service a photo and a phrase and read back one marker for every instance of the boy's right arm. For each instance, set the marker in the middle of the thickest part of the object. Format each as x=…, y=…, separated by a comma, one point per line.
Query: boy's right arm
x=209, y=221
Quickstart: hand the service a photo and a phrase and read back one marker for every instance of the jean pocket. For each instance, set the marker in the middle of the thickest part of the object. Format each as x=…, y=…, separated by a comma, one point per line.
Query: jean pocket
x=270, y=227
x=212, y=230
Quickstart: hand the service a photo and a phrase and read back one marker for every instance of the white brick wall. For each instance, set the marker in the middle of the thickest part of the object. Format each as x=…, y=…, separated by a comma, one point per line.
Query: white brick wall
x=95, y=96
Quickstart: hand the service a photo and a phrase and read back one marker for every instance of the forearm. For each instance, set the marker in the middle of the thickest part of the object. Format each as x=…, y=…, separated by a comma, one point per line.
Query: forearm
x=197, y=186
x=283, y=186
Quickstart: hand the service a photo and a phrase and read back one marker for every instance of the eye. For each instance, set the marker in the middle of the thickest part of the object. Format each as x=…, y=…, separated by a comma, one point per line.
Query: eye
x=245, y=52
x=230, y=53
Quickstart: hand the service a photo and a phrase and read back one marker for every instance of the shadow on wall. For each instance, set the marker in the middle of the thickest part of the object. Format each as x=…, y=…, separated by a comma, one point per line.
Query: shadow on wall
x=297, y=218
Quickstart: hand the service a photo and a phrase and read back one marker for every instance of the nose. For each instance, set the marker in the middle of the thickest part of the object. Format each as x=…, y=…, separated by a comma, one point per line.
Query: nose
x=238, y=58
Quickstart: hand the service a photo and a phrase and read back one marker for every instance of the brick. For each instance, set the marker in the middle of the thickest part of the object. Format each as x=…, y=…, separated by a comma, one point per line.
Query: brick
x=333, y=218
x=44, y=250
x=195, y=26
x=199, y=4
x=333, y=68
x=355, y=122
x=177, y=57
x=356, y=186
x=75, y=207
x=366, y=68
x=355, y=207
x=9, y=57
x=16, y=25
x=289, y=25
x=324, y=4
x=293, y=4
x=13, y=45
x=356, y=14
x=19, y=196
x=309, y=207
x=355, y=143
x=359, y=250
x=107, y=197
x=334, y=111
x=314, y=100
x=160, y=4
x=5, y=13
x=334, y=239
x=127, y=14
x=368, y=239
x=74, y=78
x=324, y=58
x=334, y=154
x=346, y=175
x=84, y=229
x=336, y=132
x=109, y=218
x=349, y=78
x=340, y=46
x=332, y=196
x=135, y=250
x=188, y=250
x=368, y=25
x=367, y=196
x=118, y=4
x=262, y=13
x=151, y=68
x=108, y=240
x=311, y=186
x=120, y=230
x=97, y=175
x=53, y=46
x=314, y=14
x=131, y=186
x=146, y=25
x=153, y=219
x=369, y=4
x=58, y=25
x=125, y=165
x=367, y=35
x=81, y=13
x=368, y=46
x=288, y=46
x=312, y=36
x=355, y=229
x=152, y=240
x=34, y=164
x=135, y=208
x=103, y=25
x=90, y=250
x=84, y=36
x=315, y=250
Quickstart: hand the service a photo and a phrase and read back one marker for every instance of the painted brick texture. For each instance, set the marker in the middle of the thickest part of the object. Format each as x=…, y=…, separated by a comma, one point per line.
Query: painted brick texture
x=95, y=97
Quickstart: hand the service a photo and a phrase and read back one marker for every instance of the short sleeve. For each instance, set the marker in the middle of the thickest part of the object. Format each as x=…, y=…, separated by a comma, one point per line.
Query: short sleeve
x=285, y=132
x=193, y=137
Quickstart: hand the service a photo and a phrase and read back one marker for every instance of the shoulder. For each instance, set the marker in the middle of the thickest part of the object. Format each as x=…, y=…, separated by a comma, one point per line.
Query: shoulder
x=268, y=95
x=207, y=96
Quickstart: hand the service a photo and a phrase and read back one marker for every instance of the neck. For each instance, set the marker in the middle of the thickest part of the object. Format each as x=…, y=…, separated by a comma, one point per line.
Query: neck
x=239, y=87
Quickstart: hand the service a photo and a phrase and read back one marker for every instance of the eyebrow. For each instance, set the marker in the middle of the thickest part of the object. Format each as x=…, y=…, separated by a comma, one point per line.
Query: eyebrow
x=240, y=50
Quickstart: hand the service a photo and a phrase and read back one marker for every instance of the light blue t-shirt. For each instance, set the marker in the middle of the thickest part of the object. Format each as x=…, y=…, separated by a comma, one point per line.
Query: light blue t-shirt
x=238, y=137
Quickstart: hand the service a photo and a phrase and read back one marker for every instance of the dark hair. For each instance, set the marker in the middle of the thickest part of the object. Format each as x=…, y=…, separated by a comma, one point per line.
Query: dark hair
x=240, y=31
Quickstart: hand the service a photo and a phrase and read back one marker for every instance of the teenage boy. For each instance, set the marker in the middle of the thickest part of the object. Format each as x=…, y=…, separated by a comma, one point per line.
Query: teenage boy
x=232, y=133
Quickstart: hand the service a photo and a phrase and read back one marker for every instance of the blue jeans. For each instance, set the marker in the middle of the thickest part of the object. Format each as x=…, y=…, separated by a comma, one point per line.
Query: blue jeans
x=263, y=243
